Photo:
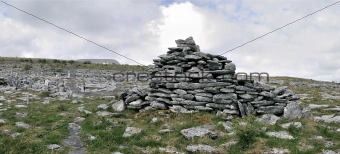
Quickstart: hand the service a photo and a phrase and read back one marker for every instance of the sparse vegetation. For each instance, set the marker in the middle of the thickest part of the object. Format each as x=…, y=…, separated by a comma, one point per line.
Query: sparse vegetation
x=45, y=94
x=246, y=130
x=50, y=127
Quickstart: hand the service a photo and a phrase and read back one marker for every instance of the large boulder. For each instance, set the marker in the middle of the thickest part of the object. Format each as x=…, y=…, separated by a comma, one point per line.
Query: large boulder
x=119, y=106
x=292, y=111
x=200, y=131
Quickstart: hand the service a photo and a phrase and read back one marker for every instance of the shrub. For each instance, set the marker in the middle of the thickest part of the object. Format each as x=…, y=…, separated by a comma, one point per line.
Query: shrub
x=30, y=60
x=246, y=131
x=45, y=94
x=56, y=61
x=87, y=62
x=27, y=67
x=293, y=130
x=71, y=61
x=42, y=61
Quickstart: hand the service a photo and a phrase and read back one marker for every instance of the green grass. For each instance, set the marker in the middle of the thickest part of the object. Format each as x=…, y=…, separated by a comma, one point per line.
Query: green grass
x=48, y=127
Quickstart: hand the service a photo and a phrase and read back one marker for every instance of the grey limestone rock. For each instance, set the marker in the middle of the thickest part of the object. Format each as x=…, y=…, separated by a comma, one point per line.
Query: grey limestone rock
x=14, y=135
x=54, y=147
x=241, y=108
x=22, y=124
x=277, y=110
x=132, y=98
x=180, y=91
x=280, y=134
x=295, y=124
x=201, y=148
x=230, y=66
x=119, y=106
x=136, y=103
x=203, y=108
x=203, y=99
x=3, y=121
x=159, y=105
x=328, y=119
x=141, y=91
x=279, y=90
x=200, y=131
x=74, y=129
x=268, y=119
x=103, y=106
x=292, y=111
x=73, y=141
x=129, y=131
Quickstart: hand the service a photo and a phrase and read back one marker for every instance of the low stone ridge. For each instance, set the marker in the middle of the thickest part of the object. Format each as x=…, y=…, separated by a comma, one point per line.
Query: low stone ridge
x=201, y=148
x=188, y=80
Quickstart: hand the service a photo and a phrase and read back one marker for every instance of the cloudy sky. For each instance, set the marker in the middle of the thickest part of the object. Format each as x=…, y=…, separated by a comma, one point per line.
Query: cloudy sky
x=143, y=29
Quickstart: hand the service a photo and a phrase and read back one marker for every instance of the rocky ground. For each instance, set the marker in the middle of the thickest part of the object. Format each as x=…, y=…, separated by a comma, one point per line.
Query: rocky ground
x=33, y=122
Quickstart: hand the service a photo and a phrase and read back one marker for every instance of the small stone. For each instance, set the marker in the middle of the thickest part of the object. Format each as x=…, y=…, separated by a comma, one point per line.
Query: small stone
x=164, y=131
x=268, y=119
x=328, y=152
x=329, y=144
x=295, y=124
x=179, y=109
x=279, y=90
x=73, y=141
x=74, y=129
x=136, y=103
x=277, y=151
x=307, y=113
x=78, y=119
x=228, y=126
x=81, y=109
x=153, y=120
x=22, y=124
x=314, y=106
x=21, y=114
x=90, y=137
x=87, y=112
x=3, y=121
x=318, y=137
x=129, y=131
x=281, y=134
x=104, y=113
x=20, y=106
x=54, y=147
x=103, y=106
x=201, y=148
x=229, y=143
x=15, y=135
x=46, y=102
x=132, y=98
x=74, y=102
x=199, y=131
x=168, y=151
x=63, y=114
x=159, y=105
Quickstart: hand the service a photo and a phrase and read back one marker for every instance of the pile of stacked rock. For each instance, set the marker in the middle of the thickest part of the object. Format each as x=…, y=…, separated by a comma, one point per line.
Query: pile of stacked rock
x=195, y=80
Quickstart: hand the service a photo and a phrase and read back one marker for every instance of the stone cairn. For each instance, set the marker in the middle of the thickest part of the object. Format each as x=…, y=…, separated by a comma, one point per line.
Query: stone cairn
x=187, y=80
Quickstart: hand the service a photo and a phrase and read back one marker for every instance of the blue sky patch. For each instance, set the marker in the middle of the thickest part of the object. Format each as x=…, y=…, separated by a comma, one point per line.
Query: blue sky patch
x=167, y=2
x=5, y=15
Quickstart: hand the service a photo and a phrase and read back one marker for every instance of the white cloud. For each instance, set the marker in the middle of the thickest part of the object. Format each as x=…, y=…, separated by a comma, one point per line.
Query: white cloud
x=142, y=30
